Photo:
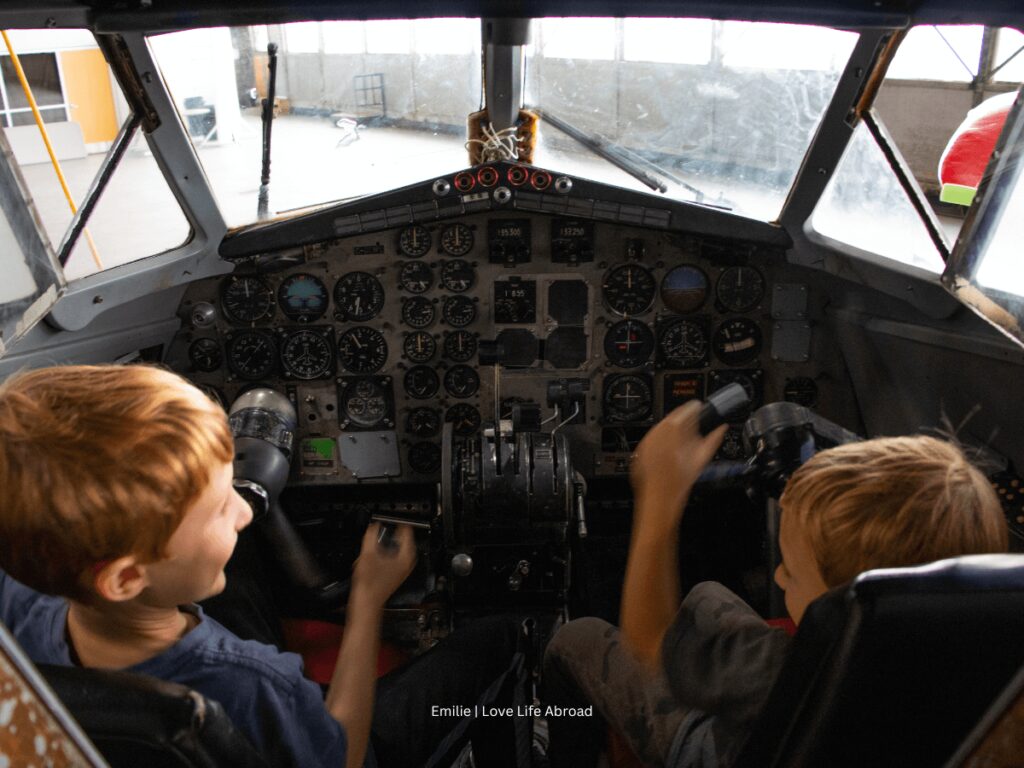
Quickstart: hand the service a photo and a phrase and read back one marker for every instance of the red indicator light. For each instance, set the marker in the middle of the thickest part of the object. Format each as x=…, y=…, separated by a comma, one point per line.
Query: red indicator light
x=540, y=180
x=464, y=181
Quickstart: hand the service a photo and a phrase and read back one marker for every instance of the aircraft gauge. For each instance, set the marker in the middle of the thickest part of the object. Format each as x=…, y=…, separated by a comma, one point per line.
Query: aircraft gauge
x=205, y=355
x=423, y=422
x=629, y=289
x=364, y=403
x=684, y=289
x=460, y=346
x=358, y=296
x=425, y=458
x=457, y=240
x=457, y=276
x=303, y=298
x=418, y=312
x=683, y=343
x=737, y=341
x=458, y=311
x=627, y=398
x=628, y=343
x=465, y=419
x=416, y=277
x=801, y=390
x=740, y=289
x=421, y=382
x=251, y=354
x=246, y=299
x=461, y=381
x=362, y=349
x=307, y=354
x=419, y=346
x=414, y=241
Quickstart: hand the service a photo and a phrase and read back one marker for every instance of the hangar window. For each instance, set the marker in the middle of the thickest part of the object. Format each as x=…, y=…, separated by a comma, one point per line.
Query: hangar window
x=82, y=108
x=1009, y=57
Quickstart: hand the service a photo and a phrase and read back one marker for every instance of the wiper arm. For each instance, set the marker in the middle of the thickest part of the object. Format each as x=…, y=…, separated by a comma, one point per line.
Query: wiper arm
x=263, y=201
x=635, y=165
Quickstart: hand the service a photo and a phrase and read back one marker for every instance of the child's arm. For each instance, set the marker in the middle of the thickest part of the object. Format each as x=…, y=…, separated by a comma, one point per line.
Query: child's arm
x=378, y=572
x=665, y=466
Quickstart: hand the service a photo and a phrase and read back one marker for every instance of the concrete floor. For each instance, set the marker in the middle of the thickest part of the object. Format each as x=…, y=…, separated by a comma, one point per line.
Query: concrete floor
x=312, y=164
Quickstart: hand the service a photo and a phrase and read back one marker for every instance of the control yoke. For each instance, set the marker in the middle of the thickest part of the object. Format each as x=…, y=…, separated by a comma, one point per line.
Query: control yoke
x=263, y=423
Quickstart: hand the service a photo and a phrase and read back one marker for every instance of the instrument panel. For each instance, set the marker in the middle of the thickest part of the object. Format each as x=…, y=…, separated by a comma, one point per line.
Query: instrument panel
x=380, y=339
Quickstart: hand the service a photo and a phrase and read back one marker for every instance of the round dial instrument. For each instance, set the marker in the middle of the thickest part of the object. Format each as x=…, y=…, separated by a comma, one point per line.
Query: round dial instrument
x=251, y=354
x=364, y=404
x=458, y=311
x=683, y=344
x=737, y=341
x=414, y=241
x=425, y=458
x=418, y=312
x=303, y=298
x=801, y=390
x=362, y=349
x=307, y=354
x=457, y=240
x=628, y=398
x=465, y=419
x=205, y=355
x=460, y=346
x=457, y=275
x=246, y=299
x=628, y=343
x=684, y=289
x=419, y=346
x=461, y=381
x=629, y=289
x=740, y=289
x=358, y=296
x=416, y=277
x=421, y=382
x=423, y=422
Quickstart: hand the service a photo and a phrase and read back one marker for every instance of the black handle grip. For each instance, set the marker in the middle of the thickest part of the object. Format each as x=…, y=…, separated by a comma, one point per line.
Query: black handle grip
x=731, y=400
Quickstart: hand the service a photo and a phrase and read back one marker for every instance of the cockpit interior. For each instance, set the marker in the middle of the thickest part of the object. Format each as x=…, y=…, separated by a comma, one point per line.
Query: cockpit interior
x=454, y=261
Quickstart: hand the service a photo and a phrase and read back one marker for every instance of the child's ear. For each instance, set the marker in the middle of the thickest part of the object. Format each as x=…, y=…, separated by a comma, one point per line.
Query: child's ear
x=121, y=579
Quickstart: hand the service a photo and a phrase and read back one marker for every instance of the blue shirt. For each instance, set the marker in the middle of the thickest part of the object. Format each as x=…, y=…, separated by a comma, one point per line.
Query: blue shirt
x=262, y=690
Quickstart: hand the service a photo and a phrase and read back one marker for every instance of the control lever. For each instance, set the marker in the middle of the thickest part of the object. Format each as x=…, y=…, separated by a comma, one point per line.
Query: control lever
x=388, y=523
x=730, y=401
x=579, y=485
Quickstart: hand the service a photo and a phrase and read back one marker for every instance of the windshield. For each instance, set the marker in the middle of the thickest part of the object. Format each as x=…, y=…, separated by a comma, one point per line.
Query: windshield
x=714, y=112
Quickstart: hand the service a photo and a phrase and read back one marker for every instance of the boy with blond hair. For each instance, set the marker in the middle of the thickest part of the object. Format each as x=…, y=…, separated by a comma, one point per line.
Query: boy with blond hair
x=118, y=513
x=683, y=683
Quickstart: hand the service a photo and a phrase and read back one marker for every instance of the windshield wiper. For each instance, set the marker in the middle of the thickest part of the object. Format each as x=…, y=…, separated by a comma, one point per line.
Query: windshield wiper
x=263, y=201
x=637, y=166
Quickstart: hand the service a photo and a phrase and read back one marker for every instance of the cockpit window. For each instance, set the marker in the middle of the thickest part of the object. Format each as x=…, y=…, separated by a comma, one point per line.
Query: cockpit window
x=81, y=109
x=362, y=106
x=939, y=112
x=716, y=112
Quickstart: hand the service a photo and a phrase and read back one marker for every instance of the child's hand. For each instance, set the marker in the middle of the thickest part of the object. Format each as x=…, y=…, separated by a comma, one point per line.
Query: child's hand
x=669, y=459
x=380, y=570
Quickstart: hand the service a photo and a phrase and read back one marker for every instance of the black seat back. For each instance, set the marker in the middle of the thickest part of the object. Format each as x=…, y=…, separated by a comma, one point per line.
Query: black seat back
x=135, y=720
x=895, y=669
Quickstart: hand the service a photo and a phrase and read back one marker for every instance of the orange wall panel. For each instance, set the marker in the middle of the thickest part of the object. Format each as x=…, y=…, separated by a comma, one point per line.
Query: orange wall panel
x=88, y=94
